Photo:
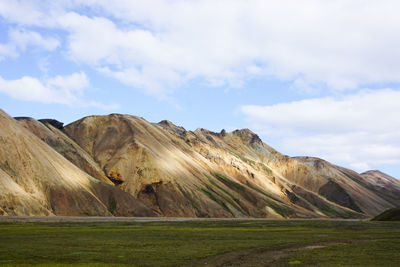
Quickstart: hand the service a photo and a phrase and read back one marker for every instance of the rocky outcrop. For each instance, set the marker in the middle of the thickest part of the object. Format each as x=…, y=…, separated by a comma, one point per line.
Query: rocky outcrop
x=55, y=123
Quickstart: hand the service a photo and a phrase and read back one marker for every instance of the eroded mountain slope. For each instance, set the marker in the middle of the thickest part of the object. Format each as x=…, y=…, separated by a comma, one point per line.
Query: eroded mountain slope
x=346, y=187
x=36, y=180
x=383, y=185
x=64, y=145
x=202, y=173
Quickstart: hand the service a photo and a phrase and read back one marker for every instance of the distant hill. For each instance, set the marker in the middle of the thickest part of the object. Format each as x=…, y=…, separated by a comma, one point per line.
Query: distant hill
x=383, y=185
x=123, y=165
x=388, y=215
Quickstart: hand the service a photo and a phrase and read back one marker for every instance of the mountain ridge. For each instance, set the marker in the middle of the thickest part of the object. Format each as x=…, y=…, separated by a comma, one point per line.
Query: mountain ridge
x=171, y=171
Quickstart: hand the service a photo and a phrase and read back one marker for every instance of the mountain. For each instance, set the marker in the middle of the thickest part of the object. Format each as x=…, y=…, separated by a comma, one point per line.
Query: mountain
x=383, y=185
x=36, y=180
x=388, y=215
x=350, y=189
x=49, y=132
x=160, y=169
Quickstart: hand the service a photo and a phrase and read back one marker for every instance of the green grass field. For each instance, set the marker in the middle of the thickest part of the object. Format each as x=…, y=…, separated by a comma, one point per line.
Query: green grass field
x=302, y=243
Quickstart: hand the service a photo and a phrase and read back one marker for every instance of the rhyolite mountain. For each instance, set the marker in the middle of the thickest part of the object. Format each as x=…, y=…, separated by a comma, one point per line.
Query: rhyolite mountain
x=122, y=165
x=36, y=180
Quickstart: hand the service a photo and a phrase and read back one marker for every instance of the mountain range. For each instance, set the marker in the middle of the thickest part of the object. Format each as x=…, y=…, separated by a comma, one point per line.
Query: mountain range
x=122, y=165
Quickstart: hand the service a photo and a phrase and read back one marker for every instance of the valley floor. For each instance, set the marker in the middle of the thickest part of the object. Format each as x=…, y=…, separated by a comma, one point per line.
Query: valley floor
x=186, y=242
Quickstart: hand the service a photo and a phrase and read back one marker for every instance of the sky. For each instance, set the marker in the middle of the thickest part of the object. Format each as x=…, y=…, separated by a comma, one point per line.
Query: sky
x=310, y=77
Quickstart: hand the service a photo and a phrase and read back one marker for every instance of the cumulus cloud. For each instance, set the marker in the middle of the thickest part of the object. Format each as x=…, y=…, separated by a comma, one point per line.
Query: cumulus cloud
x=23, y=38
x=340, y=45
x=66, y=90
x=20, y=40
x=135, y=57
x=360, y=129
x=20, y=11
x=74, y=83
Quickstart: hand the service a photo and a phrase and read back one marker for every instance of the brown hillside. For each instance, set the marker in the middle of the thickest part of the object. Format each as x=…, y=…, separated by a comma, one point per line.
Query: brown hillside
x=36, y=180
x=185, y=173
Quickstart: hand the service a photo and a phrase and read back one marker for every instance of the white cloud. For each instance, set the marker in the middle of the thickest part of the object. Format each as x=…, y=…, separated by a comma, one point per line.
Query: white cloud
x=27, y=88
x=144, y=78
x=23, y=38
x=7, y=51
x=342, y=44
x=361, y=129
x=74, y=83
x=135, y=57
x=25, y=12
x=66, y=90
x=50, y=91
x=20, y=40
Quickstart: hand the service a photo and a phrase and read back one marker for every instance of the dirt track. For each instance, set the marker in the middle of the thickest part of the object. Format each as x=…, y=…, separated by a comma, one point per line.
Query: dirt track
x=270, y=256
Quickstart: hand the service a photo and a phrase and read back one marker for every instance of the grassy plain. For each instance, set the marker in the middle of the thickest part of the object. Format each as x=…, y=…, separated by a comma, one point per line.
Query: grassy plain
x=177, y=243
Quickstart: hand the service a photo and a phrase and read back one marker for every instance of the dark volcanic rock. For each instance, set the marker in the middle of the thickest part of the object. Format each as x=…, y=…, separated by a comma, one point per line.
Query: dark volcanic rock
x=55, y=123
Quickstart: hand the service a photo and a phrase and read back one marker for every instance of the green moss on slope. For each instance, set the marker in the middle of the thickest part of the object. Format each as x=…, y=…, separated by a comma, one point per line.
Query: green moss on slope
x=191, y=199
x=213, y=197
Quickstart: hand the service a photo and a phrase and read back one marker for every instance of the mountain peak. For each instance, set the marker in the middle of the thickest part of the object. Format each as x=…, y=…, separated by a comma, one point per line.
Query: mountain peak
x=377, y=174
x=166, y=124
x=247, y=136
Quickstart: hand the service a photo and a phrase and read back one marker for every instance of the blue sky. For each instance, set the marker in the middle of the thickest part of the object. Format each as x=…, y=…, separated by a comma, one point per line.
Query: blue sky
x=310, y=77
